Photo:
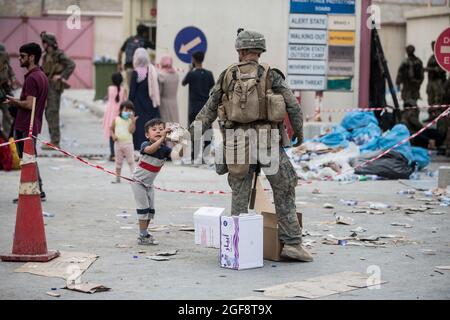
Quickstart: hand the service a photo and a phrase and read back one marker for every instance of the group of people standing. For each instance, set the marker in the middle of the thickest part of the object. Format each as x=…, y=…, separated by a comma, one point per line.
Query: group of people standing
x=410, y=77
x=58, y=67
x=151, y=90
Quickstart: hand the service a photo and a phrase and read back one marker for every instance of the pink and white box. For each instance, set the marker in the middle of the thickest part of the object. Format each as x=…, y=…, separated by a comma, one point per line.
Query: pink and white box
x=241, y=242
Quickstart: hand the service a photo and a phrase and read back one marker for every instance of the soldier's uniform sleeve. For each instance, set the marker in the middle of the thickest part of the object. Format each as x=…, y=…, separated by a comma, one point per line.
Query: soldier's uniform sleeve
x=68, y=64
x=293, y=108
x=208, y=114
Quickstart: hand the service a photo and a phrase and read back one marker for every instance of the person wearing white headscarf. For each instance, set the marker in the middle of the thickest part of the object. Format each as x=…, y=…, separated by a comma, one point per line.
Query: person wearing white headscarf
x=144, y=93
x=168, y=88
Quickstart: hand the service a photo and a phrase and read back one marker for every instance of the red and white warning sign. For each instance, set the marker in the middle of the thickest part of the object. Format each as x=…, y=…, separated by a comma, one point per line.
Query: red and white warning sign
x=442, y=50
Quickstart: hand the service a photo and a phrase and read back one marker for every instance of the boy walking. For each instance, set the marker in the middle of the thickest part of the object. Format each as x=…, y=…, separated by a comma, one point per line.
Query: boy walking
x=153, y=155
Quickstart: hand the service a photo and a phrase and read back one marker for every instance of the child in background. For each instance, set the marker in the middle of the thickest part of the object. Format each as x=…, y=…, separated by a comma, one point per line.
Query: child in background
x=154, y=153
x=116, y=95
x=122, y=130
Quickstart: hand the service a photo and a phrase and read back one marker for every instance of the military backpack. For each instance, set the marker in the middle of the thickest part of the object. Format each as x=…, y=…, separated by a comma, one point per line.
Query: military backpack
x=247, y=95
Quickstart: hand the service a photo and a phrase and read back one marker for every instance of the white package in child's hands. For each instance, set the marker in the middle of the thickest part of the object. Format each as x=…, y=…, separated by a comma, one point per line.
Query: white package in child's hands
x=177, y=133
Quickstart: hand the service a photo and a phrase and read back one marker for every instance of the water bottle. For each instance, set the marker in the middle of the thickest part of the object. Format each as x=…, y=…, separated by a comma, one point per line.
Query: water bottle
x=415, y=175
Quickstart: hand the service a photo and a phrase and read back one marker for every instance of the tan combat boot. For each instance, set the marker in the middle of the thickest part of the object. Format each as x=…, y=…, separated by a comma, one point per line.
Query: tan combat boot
x=296, y=252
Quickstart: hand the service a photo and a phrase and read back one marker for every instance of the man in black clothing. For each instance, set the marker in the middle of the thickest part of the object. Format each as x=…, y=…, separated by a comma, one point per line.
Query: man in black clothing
x=200, y=83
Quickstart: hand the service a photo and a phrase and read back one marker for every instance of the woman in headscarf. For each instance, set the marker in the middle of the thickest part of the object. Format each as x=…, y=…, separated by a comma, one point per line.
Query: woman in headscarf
x=168, y=87
x=144, y=93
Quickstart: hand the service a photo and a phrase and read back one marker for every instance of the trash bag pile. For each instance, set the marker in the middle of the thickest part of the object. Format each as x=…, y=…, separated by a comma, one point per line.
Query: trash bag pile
x=339, y=154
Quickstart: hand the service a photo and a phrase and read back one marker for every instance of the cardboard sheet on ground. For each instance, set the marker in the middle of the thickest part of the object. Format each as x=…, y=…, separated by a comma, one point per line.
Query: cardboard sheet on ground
x=87, y=287
x=322, y=286
x=62, y=267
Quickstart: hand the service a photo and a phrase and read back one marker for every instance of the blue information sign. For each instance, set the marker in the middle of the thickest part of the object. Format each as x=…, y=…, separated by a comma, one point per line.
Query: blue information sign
x=188, y=41
x=323, y=6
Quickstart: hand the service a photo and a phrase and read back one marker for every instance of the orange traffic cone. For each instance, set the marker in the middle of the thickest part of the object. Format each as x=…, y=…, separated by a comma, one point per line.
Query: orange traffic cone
x=29, y=238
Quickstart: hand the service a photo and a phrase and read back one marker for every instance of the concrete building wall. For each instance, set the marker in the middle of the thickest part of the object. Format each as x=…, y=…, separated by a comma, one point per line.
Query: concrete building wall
x=135, y=12
x=393, y=40
x=108, y=36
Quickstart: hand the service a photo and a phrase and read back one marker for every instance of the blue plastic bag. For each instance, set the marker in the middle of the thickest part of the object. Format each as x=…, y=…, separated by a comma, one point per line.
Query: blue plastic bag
x=398, y=133
x=364, y=135
x=421, y=156
x=338, y=138
x=357, y=119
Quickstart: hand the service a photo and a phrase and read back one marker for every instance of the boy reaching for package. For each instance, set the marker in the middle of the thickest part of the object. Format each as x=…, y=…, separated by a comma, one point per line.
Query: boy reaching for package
x=154, y=152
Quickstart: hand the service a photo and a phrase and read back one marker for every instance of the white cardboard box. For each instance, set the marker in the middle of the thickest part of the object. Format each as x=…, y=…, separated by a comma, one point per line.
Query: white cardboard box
x=241, y=241
x=207, y=226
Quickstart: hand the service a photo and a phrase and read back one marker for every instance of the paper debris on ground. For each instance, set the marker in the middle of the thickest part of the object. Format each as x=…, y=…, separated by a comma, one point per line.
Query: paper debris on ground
x=126, y=228
x=87, y=287
x=322, y=286
x=187, y=229
x=158, y=258
x=418, y=209
x=436, y=213
x=359, y=230
x=429, y=252
x=369, y=238
x=443, y=267
x=157, y=228
x=123, y=246
x=367, y=210
x=398, y=224
x=48, y=215
x=378, y=205
x=167, y=253
x=63, y=267
x=344, y=220
x=53, y=294
x=311, y=233
x=328, y=206
x=178, y=225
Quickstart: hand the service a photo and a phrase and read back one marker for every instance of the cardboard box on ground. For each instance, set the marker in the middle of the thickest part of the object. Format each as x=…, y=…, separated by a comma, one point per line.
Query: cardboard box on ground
x=264, y=206
x=208, y=227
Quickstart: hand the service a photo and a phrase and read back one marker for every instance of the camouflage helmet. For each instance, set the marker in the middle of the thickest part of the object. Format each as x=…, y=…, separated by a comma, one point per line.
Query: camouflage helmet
x=250, y=40
x=49, y=38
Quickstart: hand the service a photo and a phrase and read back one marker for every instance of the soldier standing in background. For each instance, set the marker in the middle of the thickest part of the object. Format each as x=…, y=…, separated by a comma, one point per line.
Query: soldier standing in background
x=446, y=101
x=435, y=90
x=58, y=68
x=239, y=101
x=410, y=76
x=7, y=84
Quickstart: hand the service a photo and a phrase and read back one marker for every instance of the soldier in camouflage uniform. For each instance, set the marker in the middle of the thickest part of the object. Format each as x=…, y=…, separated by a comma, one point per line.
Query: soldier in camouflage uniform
x=7, y=82
x=410, y=76
x=436, y=79
x=250, y=45
x=58, y=68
